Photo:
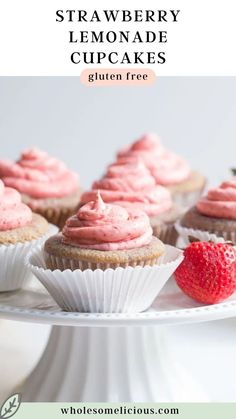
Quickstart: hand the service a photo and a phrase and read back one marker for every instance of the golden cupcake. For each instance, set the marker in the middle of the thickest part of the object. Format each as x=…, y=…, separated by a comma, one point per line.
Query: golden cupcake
x=168, y=168
x=133, y=186
x=102, y=236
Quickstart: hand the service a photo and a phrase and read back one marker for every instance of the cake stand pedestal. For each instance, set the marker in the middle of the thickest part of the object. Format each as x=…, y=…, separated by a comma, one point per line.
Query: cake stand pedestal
x=110, y=364
x=110, y=357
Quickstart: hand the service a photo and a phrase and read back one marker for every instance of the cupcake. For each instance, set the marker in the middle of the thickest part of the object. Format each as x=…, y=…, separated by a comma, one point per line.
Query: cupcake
x=105, y=260
x=133, y=186
x=102, y=236
x=20, y=229
x=214, y=215
x=168, y=169
x=45, y=183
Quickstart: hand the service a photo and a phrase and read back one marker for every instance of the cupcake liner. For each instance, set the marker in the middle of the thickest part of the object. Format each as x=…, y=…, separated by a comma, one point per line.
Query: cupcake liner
x=120, y=290
x=57, y=215
x=167, y=233
x=13, y=272
x=58, y=262
x=216, y=237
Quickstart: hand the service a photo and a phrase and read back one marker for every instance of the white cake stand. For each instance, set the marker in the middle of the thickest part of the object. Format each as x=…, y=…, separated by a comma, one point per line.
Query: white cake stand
x=110, y=357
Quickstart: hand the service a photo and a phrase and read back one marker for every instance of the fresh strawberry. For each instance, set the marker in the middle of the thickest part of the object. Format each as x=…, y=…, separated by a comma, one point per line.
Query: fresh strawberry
x=208, y=272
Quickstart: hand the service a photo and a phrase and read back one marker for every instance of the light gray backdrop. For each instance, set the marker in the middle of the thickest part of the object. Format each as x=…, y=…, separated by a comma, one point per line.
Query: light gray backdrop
x=85, y=126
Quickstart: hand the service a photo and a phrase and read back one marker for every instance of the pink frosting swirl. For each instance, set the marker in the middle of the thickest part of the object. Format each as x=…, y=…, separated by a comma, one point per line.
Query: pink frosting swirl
x=103, y=226
x=167, y=168
x=13, y=213
x=38, y=175
x=131, y=185
x=220, y=202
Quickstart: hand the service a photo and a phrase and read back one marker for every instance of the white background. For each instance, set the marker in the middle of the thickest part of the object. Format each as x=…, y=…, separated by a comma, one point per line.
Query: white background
x=84, y=126
x=202, y=43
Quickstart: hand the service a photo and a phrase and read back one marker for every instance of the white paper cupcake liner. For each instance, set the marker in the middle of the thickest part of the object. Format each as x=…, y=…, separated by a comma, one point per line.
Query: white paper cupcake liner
x=58, y=262
x=217, y=237
x=120, y=290
x=13, y=271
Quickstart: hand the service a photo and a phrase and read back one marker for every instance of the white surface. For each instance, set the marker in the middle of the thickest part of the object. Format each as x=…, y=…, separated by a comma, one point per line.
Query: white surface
x=21, y=346
x=192, y=48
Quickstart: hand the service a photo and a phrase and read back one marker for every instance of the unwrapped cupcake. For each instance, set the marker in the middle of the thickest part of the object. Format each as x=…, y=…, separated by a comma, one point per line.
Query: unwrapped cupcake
x=167, y=168
x=213, y=215
x=105, y=260
x=133, y=186
x=45, y=184
x=20, y=230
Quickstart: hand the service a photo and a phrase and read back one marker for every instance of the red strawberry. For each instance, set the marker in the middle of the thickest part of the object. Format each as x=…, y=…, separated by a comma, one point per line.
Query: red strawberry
x=208, y=272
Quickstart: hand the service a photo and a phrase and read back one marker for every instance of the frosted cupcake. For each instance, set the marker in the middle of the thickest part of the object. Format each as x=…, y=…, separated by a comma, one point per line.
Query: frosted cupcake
x=105, y=260
x=20, y=229
x=214, y=214
x=103, y=236
x=168, y=169
x=132, y=186
x=45, y=184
